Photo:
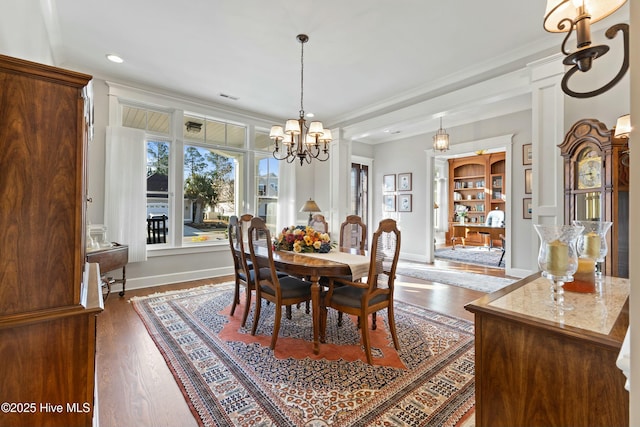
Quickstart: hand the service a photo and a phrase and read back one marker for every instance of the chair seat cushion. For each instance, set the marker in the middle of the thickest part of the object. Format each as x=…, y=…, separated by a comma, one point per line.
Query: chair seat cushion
x=351, y=296
x=291, y=287
x=264, y=272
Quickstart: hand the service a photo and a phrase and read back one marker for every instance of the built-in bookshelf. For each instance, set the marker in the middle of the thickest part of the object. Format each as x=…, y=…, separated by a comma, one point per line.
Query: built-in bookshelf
x=476, y=185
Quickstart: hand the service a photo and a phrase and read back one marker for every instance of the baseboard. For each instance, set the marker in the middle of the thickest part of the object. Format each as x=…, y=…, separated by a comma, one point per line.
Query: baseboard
x=167, y=279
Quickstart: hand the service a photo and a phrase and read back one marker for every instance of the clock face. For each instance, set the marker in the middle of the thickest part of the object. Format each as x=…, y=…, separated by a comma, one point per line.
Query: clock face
x=589, y=173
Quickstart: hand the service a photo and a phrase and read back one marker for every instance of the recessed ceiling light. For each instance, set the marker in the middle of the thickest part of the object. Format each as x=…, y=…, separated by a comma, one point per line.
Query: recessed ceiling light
x=115, y=58
x=310, y=115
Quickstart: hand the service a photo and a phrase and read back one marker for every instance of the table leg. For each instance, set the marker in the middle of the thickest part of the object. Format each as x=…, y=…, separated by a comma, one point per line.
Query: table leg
x=124, y=280
x=315, y=303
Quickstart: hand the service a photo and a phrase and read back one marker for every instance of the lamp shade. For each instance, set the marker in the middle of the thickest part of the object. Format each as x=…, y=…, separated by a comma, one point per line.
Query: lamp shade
x=292, y=127
x=310, y=206
x=276, y=132
x=557, y=10
x=623, y=126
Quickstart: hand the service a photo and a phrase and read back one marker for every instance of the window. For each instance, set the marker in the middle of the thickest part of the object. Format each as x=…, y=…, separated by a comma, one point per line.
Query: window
x=195, y=175
x=210, y=177
x=267, y=171
x=158, y=185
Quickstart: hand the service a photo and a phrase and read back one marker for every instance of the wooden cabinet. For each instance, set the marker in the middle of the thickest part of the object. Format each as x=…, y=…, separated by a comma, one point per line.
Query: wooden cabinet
x=48, y=305
x=477, y=184
x=539, y=368
x=596, y=186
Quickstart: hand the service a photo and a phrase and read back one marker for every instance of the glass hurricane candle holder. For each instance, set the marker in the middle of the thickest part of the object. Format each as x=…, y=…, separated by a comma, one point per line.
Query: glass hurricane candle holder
x=558, y=259
x=592, y=243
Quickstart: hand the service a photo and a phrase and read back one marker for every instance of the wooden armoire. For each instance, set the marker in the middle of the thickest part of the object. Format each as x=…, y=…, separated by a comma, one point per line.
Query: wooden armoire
x=596, y=186
x=49, y=297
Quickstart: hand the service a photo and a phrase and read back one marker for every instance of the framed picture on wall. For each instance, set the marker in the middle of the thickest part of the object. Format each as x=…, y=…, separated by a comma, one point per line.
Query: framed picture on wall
x=526, y=208
x=389, y=183
x=528, y=181
x=404, y=181
x=389, y=201
x=527, y=157
x=404, y=203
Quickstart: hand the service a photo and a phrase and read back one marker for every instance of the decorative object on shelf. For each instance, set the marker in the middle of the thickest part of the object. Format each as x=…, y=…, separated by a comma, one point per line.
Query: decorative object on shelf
x=569, y=15
x=622, y=131
x=389, y=182
x=592, y=243
x=404, y=203
x=300, y=238
x=526, y=208
x=527, y=155
x=389, y=201
x=310, y=206
x=441, y=139
x=404, y=181
x=461, y=212
x=302, y=142
x=558, y=259
x=528, y=181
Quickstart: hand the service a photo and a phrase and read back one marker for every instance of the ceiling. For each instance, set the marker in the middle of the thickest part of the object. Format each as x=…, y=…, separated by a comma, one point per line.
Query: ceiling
x=364, y=60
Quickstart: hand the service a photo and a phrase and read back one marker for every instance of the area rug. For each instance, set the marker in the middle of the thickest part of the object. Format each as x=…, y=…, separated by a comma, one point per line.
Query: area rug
x=477, y=255
x=230, y=378
x=463, y=279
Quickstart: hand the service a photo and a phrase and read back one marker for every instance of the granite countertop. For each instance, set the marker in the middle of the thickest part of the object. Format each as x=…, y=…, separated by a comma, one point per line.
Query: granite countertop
x=595, y=312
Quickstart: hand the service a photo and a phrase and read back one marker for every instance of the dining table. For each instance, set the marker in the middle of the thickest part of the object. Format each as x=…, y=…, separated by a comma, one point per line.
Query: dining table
x=339, y=262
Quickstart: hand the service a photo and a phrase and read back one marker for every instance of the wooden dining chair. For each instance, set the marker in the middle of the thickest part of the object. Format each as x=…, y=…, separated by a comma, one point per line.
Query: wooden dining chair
x=243, y=275
x=319, y=223
x=282, y=291
x=353, y=233
x=363, y=298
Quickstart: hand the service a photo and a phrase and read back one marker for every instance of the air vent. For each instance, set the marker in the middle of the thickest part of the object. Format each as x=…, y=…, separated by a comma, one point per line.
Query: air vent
x=193, y=127
x=233, y=98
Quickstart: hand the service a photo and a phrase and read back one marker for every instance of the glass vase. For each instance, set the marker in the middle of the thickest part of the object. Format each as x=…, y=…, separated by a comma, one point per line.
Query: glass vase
x=592, y=243
x=558, y=259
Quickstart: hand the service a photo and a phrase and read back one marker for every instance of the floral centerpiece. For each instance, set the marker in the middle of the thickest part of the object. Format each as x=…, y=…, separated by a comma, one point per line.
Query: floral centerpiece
x=461, y=212
x=302, y=238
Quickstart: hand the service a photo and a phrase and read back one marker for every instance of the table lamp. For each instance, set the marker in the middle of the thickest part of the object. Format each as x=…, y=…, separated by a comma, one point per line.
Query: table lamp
x=311, y=207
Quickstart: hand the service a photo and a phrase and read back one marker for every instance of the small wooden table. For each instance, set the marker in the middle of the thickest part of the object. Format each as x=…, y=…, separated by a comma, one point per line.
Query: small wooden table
x=110, y=259
x=535, y=367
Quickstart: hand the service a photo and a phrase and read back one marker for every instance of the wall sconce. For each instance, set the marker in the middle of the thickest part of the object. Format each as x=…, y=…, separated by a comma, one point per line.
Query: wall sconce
x=566, y=15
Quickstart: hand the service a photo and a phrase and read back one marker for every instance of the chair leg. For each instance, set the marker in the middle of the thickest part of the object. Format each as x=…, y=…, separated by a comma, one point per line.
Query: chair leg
x=392, y=326
x=256, y=315
x=365, y=339
x=247, y=305
x=236, y=297
x=288, y=311
x=374, y=325
x=307, y=306
x=276, y=326
x=339, y=318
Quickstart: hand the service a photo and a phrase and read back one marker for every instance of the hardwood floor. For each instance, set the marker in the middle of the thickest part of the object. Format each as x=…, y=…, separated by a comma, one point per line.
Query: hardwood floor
x=135, y=386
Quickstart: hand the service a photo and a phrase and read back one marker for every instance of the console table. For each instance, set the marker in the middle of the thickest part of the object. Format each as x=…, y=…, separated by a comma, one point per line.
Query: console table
x=535, y=367
x=111, y=259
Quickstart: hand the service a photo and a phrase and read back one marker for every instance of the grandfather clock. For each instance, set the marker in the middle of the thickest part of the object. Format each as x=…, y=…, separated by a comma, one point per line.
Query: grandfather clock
x=596, y=186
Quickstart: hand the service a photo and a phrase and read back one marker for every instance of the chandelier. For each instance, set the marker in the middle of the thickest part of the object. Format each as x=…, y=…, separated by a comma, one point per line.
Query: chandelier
x=441, y=139
x=298, y=140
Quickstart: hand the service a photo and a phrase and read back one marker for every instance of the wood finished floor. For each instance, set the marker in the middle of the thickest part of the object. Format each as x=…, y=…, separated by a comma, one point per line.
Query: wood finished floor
x=135, y=386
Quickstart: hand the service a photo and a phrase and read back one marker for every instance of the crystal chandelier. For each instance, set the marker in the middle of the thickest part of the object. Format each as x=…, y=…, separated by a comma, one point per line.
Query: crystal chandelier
x=299, y=140
x=441, y=139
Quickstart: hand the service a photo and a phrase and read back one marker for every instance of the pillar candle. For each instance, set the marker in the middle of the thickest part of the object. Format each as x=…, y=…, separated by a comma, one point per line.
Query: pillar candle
x=586, y=265
x=592, y=245
x=557, y=258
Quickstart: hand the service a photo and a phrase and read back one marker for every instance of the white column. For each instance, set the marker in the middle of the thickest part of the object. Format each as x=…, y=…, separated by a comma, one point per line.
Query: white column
x=547, y=131
x=338, y=178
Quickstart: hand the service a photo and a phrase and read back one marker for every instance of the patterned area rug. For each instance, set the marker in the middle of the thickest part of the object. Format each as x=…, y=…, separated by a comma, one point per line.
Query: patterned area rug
x=463, y=279
x=232, y=378
x=477, y=255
